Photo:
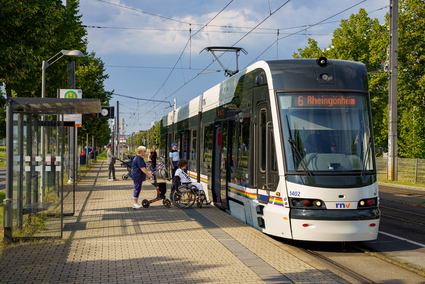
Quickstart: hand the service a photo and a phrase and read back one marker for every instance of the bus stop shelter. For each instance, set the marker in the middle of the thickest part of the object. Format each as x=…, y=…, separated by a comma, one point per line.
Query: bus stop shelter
x=38, y=155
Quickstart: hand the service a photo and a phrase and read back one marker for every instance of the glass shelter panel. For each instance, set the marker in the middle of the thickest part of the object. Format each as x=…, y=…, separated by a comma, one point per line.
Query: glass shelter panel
x=37, y=173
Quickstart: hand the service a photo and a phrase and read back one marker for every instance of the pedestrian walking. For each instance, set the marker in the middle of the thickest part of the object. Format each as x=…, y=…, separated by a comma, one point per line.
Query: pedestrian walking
x=111, y=163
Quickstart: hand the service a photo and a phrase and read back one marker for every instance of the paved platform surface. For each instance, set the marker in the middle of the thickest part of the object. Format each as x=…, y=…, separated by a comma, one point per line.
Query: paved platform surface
x=105, y=242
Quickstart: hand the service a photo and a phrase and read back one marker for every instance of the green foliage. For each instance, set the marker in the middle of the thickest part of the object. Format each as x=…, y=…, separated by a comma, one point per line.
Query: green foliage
x=2, y=115
x=90, y=78
x=363, y=39
x=35, y=30
x=2, y=196
x=148, y=138
x=310, y=51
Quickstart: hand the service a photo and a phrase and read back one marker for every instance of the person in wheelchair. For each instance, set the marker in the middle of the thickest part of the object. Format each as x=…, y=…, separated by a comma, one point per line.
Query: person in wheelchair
x=181, y=177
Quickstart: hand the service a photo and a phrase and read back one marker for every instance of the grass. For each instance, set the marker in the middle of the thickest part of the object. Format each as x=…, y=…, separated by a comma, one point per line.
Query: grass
x=383, y=179
x=34, y=224
x=2, y=197
x=2, y=156
x=102, y=156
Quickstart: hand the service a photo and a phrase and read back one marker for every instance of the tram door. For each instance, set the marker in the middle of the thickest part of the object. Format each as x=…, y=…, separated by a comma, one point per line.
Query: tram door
x=266, y=164
x=220, y=166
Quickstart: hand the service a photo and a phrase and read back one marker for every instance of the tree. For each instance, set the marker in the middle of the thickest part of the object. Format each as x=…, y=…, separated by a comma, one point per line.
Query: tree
x=363, y=39
x=411, y=78
x=36, y=30
x=90, y=78
x=33, y=31
x=310, y=51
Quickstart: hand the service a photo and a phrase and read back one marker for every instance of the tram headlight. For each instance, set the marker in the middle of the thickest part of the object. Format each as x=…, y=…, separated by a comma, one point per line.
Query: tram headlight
x=306, y=203
x=368, y=202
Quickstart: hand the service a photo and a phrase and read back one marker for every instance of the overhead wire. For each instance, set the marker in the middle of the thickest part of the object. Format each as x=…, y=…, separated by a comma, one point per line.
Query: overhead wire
x=179, y=31
x=193, y=78
x=306, y=29
x=144, y=12
x=185, y=49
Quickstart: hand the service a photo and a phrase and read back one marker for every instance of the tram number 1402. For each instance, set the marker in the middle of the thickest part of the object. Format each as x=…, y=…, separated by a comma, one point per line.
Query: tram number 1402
x=294, y=193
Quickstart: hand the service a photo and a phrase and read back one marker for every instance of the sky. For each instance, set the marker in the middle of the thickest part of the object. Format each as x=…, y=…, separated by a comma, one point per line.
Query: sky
x=152, y=49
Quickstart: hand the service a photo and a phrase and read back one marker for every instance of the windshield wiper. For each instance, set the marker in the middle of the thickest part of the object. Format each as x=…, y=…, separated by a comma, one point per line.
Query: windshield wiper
x=366, y=161
x=295, y=149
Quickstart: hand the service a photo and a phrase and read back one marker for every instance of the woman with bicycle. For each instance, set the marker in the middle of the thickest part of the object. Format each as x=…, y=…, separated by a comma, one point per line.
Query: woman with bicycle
x=152, y=157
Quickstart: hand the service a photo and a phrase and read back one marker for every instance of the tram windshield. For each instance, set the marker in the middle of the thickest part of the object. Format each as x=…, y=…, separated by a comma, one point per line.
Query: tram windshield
x=326, y=132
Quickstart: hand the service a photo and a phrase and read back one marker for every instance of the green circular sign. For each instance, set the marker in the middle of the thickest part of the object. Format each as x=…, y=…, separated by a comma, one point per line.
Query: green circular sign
x=71, y=95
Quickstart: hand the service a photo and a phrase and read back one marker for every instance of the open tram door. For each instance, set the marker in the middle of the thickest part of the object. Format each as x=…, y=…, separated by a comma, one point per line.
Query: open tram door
x=220, y=174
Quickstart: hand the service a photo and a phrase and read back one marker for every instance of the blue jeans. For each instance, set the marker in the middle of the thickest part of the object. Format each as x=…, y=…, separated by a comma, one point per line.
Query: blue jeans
x=173, y=172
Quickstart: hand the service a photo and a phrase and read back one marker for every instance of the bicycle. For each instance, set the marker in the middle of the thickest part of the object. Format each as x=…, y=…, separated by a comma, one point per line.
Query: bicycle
x=162, y=169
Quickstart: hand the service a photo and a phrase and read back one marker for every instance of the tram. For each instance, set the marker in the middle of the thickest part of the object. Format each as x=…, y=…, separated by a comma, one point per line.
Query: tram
x=285, y=146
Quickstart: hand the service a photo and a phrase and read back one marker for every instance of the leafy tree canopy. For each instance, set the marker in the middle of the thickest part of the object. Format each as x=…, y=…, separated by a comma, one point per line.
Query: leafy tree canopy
x=363, y=39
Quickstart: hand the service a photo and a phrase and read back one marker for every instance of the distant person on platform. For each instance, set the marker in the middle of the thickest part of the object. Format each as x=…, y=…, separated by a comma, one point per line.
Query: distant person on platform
x=174, y=159
x=111, y=163
x=153, y=156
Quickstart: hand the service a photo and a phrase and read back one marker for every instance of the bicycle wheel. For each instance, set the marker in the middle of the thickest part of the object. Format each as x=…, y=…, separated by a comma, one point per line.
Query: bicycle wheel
x=163, y=172
x=184, y=197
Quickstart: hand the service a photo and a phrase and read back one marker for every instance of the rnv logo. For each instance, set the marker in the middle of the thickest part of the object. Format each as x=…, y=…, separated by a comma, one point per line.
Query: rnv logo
x=342, y=205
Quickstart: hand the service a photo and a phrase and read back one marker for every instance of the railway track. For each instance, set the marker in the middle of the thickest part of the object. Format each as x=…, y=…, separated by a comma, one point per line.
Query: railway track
x=344, y=260
x=337, y=266
x=395, y=210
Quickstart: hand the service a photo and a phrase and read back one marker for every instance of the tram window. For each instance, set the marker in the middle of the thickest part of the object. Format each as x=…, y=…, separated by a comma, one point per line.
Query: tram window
x=192, y=150
x=177, y=140
x=262, y=139
x=272, y=152
x=244, y=143
x=162, y=147
x=208, y=145
x=233, y=147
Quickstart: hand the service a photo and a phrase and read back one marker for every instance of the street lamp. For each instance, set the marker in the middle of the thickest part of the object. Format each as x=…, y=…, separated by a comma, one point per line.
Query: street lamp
x=45, y=64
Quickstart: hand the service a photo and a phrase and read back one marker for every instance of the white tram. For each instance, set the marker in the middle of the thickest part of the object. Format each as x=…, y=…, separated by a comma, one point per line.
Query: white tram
x=285, y=146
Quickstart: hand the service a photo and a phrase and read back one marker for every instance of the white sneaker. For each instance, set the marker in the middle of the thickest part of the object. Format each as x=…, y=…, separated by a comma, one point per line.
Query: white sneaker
x=137, y=206
x=110, y=179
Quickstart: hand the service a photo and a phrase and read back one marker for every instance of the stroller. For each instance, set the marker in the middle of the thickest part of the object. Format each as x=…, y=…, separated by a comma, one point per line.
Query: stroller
x=127, y=164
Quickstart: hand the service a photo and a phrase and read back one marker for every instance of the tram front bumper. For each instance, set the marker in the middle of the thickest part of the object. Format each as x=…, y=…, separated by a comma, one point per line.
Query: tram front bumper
x=334, y=231
x=335, y=225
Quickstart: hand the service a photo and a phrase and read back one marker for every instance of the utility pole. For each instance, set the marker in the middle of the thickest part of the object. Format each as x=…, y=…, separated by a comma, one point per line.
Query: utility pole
x=71, y=132
x=392, y=96
x=174, y=115
x=118, y=129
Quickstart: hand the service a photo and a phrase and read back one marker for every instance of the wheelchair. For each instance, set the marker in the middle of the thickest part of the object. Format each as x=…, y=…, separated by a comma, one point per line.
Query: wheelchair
x=186, y=195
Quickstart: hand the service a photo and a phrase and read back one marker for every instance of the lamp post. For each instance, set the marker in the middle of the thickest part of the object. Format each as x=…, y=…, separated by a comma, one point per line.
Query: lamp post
x=45, y=64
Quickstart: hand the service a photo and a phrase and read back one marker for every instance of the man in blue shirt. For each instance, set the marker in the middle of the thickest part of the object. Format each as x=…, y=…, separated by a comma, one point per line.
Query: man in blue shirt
x=174, y=158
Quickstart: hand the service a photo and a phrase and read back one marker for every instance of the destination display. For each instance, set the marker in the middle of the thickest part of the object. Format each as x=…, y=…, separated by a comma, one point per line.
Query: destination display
x=326, y=100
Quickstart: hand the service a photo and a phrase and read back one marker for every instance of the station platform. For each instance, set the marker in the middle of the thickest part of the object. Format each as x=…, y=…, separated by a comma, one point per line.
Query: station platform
x=107, y=242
